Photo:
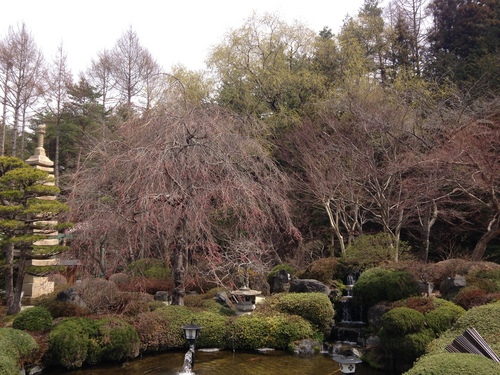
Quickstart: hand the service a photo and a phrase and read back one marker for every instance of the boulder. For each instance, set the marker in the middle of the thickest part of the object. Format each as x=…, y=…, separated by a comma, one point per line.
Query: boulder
x=308, y=286
x=70, y=295
x=162, y=295
x=223, y=299
x=280, y=282
x=450, y=286
x=375, y=314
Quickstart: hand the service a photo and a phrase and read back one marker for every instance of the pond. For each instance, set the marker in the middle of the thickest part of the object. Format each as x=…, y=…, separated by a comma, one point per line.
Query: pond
x=225, y=363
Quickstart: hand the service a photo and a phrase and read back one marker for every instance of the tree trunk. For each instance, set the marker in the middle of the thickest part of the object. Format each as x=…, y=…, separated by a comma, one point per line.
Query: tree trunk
x=180, y=263
x=428, y=221
x=13, y=290
x=493, y=231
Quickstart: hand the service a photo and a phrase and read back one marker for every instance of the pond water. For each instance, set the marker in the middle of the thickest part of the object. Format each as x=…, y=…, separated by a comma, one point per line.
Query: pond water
x=225, y=363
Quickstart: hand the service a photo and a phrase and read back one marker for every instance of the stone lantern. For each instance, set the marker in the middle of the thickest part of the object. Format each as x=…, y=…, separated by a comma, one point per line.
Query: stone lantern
x=246, y=300
x=347, y=364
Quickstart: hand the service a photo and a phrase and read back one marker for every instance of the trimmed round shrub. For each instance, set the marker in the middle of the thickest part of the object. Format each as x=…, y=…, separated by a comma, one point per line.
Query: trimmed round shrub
x=249, y=332
x=377, y=284
x=115, y=340
x=485, y=319
x=454, y=363
x=405, y=349
x=75, y=341
x=16, y=348
x=286, y=329
x=402, y=320
x=33, y=319
x=213, y=333
x=370, y=250
x=444, y=316
x=314, y=307
x=161, y=329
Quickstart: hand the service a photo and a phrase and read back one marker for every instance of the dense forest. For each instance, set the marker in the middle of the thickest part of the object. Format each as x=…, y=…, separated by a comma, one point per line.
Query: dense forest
x=293, y=144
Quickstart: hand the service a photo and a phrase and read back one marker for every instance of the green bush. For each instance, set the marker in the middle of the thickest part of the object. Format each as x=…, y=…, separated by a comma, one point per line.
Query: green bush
x=161, y=329
x=314, y=307
x=370, y=250
x=377, y=284
x=213, y=333
x=404, y=350
x=33, y=319
x=150, y=268
x=485, y=319
x=444, y=316
x=16, y=348
x=249, y=332
x=285, y=329
x=402, y=320
x=75, y=341
x=454, y=363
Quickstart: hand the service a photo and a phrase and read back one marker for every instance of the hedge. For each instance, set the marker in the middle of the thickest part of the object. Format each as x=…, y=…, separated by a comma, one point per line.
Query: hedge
x=454, y=363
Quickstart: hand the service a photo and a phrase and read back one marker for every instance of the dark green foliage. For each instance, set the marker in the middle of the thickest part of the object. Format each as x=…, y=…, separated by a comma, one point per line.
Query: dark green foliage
x=487, y=280
x=454, y=363
x=76, y=341
x=288, y=268
x=402, y=321
x=405, y=349
x=16, y=347
x=443, y=318
x=314, y=307
x=150, y=268
x=376, y=284
x=33, y=319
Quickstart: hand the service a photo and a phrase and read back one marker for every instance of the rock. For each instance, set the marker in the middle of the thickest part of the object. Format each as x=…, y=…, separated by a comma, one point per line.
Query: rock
x=372, y=341
x=163, y=296
x=375, y=314
x=223, y=299
x=308, y=286
x=70, y=295
x=280, y=282
x=306, y=346
x=450, y=286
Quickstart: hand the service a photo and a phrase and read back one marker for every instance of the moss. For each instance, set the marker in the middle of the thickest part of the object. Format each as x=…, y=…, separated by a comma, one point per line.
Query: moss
x=33, y=319
x=454, y=363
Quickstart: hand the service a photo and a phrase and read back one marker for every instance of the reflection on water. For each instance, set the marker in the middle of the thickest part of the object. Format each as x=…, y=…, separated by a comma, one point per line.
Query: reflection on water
x=225, y=363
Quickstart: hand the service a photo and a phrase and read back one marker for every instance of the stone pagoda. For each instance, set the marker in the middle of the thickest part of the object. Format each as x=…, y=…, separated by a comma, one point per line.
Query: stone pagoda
x=35, y=286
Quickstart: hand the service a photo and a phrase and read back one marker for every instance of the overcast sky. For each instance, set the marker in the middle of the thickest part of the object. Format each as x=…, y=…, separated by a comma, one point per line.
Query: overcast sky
x=174, y=32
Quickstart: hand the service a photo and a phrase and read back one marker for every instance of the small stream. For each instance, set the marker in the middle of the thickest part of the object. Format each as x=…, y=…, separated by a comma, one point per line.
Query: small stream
x=225, y=363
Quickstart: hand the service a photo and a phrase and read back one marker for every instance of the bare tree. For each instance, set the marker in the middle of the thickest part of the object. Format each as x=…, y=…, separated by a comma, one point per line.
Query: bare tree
x=184, y=188
x=26, y=74
x=59, y=79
